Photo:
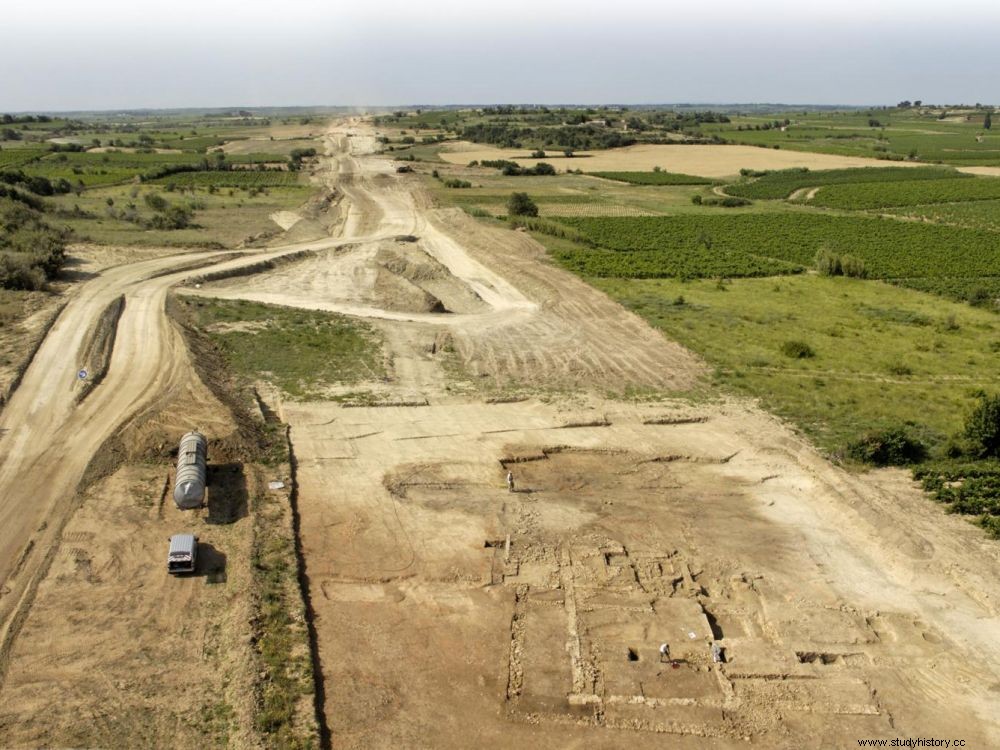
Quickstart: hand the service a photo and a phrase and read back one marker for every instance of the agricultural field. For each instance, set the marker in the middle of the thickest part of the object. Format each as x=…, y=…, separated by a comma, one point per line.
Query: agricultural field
x=14, y=158
x=905, y=134
x=656, y=177
x=872, y=195
x=162, y=180
x=976, y=214
x=889, y=249
x=783, y=183
x=238, y=178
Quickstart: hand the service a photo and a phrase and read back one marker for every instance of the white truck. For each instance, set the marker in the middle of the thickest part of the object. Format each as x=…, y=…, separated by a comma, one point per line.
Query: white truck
x=183, y=554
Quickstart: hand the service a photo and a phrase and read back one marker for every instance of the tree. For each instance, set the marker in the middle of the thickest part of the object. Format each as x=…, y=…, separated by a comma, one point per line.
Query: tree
x=982, y=426
x=520, y=204
x=988, y=122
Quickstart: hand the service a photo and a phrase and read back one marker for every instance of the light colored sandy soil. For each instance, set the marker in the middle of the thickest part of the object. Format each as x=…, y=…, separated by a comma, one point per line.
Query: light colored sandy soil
x=286, y=219
x=838, y=618
x=986, y=171
x=702, y=160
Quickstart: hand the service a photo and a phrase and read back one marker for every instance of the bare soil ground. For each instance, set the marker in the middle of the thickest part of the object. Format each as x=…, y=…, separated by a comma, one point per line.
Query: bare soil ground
x=25, y=318
x=987, y=171
x=702, y=160
x=440, y=596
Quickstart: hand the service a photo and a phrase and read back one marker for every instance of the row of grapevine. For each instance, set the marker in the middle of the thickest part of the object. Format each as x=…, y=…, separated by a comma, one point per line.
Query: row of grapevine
x=911, y=193
x=890, y=249
x=975, y=214
x=653, y=178
x=12, y=158
x=783, y=183
x=232, y=178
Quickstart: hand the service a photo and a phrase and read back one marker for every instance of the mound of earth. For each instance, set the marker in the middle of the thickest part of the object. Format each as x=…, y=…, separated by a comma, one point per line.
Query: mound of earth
x=416, y=275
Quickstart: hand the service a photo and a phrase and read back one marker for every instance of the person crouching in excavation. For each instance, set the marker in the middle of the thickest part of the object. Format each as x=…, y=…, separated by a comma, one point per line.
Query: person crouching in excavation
x=510, y=481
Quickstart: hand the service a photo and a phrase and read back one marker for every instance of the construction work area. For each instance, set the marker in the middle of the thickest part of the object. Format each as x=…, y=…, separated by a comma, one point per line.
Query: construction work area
x=434, y=602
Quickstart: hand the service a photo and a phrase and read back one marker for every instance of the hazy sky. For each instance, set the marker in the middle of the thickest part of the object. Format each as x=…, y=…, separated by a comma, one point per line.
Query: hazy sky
x=108, y=54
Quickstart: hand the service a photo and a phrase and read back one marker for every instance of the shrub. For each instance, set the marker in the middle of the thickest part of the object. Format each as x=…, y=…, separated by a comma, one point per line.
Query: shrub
x=31, y=251
x=797, y=350
x=982, y=426
x=853, y=267
x=156, y=202
x=520, y=204
x=893, y=446
x=539, y=154
x=980, y=296
x=174, y=217
x=827, y=263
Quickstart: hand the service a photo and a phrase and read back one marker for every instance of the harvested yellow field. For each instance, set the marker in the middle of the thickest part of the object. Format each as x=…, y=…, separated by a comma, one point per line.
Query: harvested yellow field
x=705, y=161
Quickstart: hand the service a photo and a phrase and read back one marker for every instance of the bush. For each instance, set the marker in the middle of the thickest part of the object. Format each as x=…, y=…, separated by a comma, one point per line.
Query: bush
x=853, y=267
x=829, y=263
x=520, y=204
x=893, y=446
x=156, y=201
x=982, y=426
x=979, y=296
x=797, y=350
x=31, y=251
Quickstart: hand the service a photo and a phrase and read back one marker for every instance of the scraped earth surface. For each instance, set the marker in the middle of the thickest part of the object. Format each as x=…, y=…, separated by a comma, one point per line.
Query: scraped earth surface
x=450, y=612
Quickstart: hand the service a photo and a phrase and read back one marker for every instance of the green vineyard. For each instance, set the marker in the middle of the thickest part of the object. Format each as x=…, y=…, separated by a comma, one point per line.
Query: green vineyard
x=869, y=195
x=653, y=178
x=781, y=184
x=237, y=178
x=753, y=244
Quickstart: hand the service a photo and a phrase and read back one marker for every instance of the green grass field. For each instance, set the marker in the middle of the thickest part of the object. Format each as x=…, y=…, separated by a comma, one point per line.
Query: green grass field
x=883, y=355
x=303, y=352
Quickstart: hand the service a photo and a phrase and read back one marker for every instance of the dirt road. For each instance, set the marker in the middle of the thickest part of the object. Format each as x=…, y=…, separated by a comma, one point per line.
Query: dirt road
x=449, y=611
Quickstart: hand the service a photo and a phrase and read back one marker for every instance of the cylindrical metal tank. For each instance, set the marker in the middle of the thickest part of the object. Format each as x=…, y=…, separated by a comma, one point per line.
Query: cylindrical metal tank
x=189, y=484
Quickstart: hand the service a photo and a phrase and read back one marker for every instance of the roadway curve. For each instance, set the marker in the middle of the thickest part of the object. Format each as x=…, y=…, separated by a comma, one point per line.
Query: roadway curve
x=47, y=438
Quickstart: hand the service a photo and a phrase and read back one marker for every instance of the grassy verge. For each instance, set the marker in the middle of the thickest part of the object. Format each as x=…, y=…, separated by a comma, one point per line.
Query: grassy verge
x=303, y=352
x=287, y=714
x=286, y=711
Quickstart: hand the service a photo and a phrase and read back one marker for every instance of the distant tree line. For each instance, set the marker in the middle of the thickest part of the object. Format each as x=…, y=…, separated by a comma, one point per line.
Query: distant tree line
x=571, y=137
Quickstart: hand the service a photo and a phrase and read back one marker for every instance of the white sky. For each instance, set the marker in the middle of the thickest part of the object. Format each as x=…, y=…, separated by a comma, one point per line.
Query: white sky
x=108, y=54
